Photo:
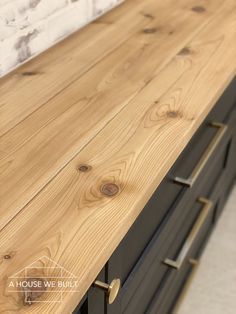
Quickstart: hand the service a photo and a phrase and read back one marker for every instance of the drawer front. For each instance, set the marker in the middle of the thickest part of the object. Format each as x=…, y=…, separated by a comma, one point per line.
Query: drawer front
x=232, y=151
x=224, y=186
x=193, y=161
x=153, y=277
x=142, y=282
x=158, y=208
x=229, y=175
x=197, y=156
x=224, y=105
x=157, y=231
x=148, y=272
x=82, y=307
x=200, y=153
x=133, y=245
x=174, y=280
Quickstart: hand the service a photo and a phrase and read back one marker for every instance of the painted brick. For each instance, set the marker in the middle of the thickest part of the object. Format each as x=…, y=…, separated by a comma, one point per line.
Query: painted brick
x=7, y=21
x=73, y=18
x=101, y=6
x=23, y=46
x=32, y=11
x=28, y=27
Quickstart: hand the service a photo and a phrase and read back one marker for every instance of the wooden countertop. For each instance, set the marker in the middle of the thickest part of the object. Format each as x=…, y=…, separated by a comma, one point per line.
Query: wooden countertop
x=122, y=97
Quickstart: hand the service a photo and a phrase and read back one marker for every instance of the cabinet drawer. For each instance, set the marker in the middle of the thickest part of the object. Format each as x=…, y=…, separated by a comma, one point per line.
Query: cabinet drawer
x=152, y=278
x=138, y=287
x=231, y=167
x=174, y=280
x=200, y=150
x=162, y=226
x=143, y=230
x=224, y=105
x=204, y=149
x=82, y=307
x=160, y=206
x=197, y=157
x=148, y=272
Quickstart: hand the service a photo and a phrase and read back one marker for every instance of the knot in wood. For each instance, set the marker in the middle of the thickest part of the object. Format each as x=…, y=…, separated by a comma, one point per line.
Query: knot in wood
x=198, y=9
x=173, y=114
x=148, y=15
x=185, y=51
x=29, y=73
x=84, y=168
x=109, y=189
x=150, y=30
x=32, y=289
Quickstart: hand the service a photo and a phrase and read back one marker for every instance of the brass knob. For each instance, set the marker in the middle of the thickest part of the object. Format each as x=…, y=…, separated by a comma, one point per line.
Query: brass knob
x=111, y=289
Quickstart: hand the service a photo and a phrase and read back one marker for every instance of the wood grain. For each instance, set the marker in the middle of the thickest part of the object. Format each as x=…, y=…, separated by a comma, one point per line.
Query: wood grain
x=47, y=75
x=79, y=53
x=70, y=120
x=75, y=224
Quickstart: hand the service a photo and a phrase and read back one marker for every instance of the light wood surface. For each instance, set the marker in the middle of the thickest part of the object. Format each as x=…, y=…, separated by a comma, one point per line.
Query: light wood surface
x=128, y=115
x=44, y=142
x=77, y=55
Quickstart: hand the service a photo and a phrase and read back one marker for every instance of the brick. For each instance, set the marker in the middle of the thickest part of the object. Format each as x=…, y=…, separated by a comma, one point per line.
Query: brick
x=23, y=46
x=32, y=11
x=8, y=24
x=27, y=27
x=101, y=6
x=73, y=18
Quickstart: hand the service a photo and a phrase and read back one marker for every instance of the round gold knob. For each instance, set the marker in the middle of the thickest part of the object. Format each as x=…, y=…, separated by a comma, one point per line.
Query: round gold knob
x=111, y=289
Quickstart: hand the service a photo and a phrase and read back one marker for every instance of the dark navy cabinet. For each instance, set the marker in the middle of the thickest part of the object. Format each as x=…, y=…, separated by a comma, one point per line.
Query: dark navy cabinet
x=156, y=257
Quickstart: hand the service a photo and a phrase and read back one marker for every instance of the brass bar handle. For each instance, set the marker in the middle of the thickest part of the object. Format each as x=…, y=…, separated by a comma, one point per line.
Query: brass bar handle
x=192, y=235
x=111, y=289
x=195, y=264
x=222, y=128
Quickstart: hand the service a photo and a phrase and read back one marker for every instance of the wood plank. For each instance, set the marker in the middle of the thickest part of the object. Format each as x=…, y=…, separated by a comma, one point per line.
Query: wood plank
x=46, y=75
x=22, y=132
x=76, y=115
x=77, y=226
x=78, y=53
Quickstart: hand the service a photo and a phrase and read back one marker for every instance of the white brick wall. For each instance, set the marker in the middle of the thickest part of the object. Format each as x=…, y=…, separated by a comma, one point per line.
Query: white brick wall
x=28, y=27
